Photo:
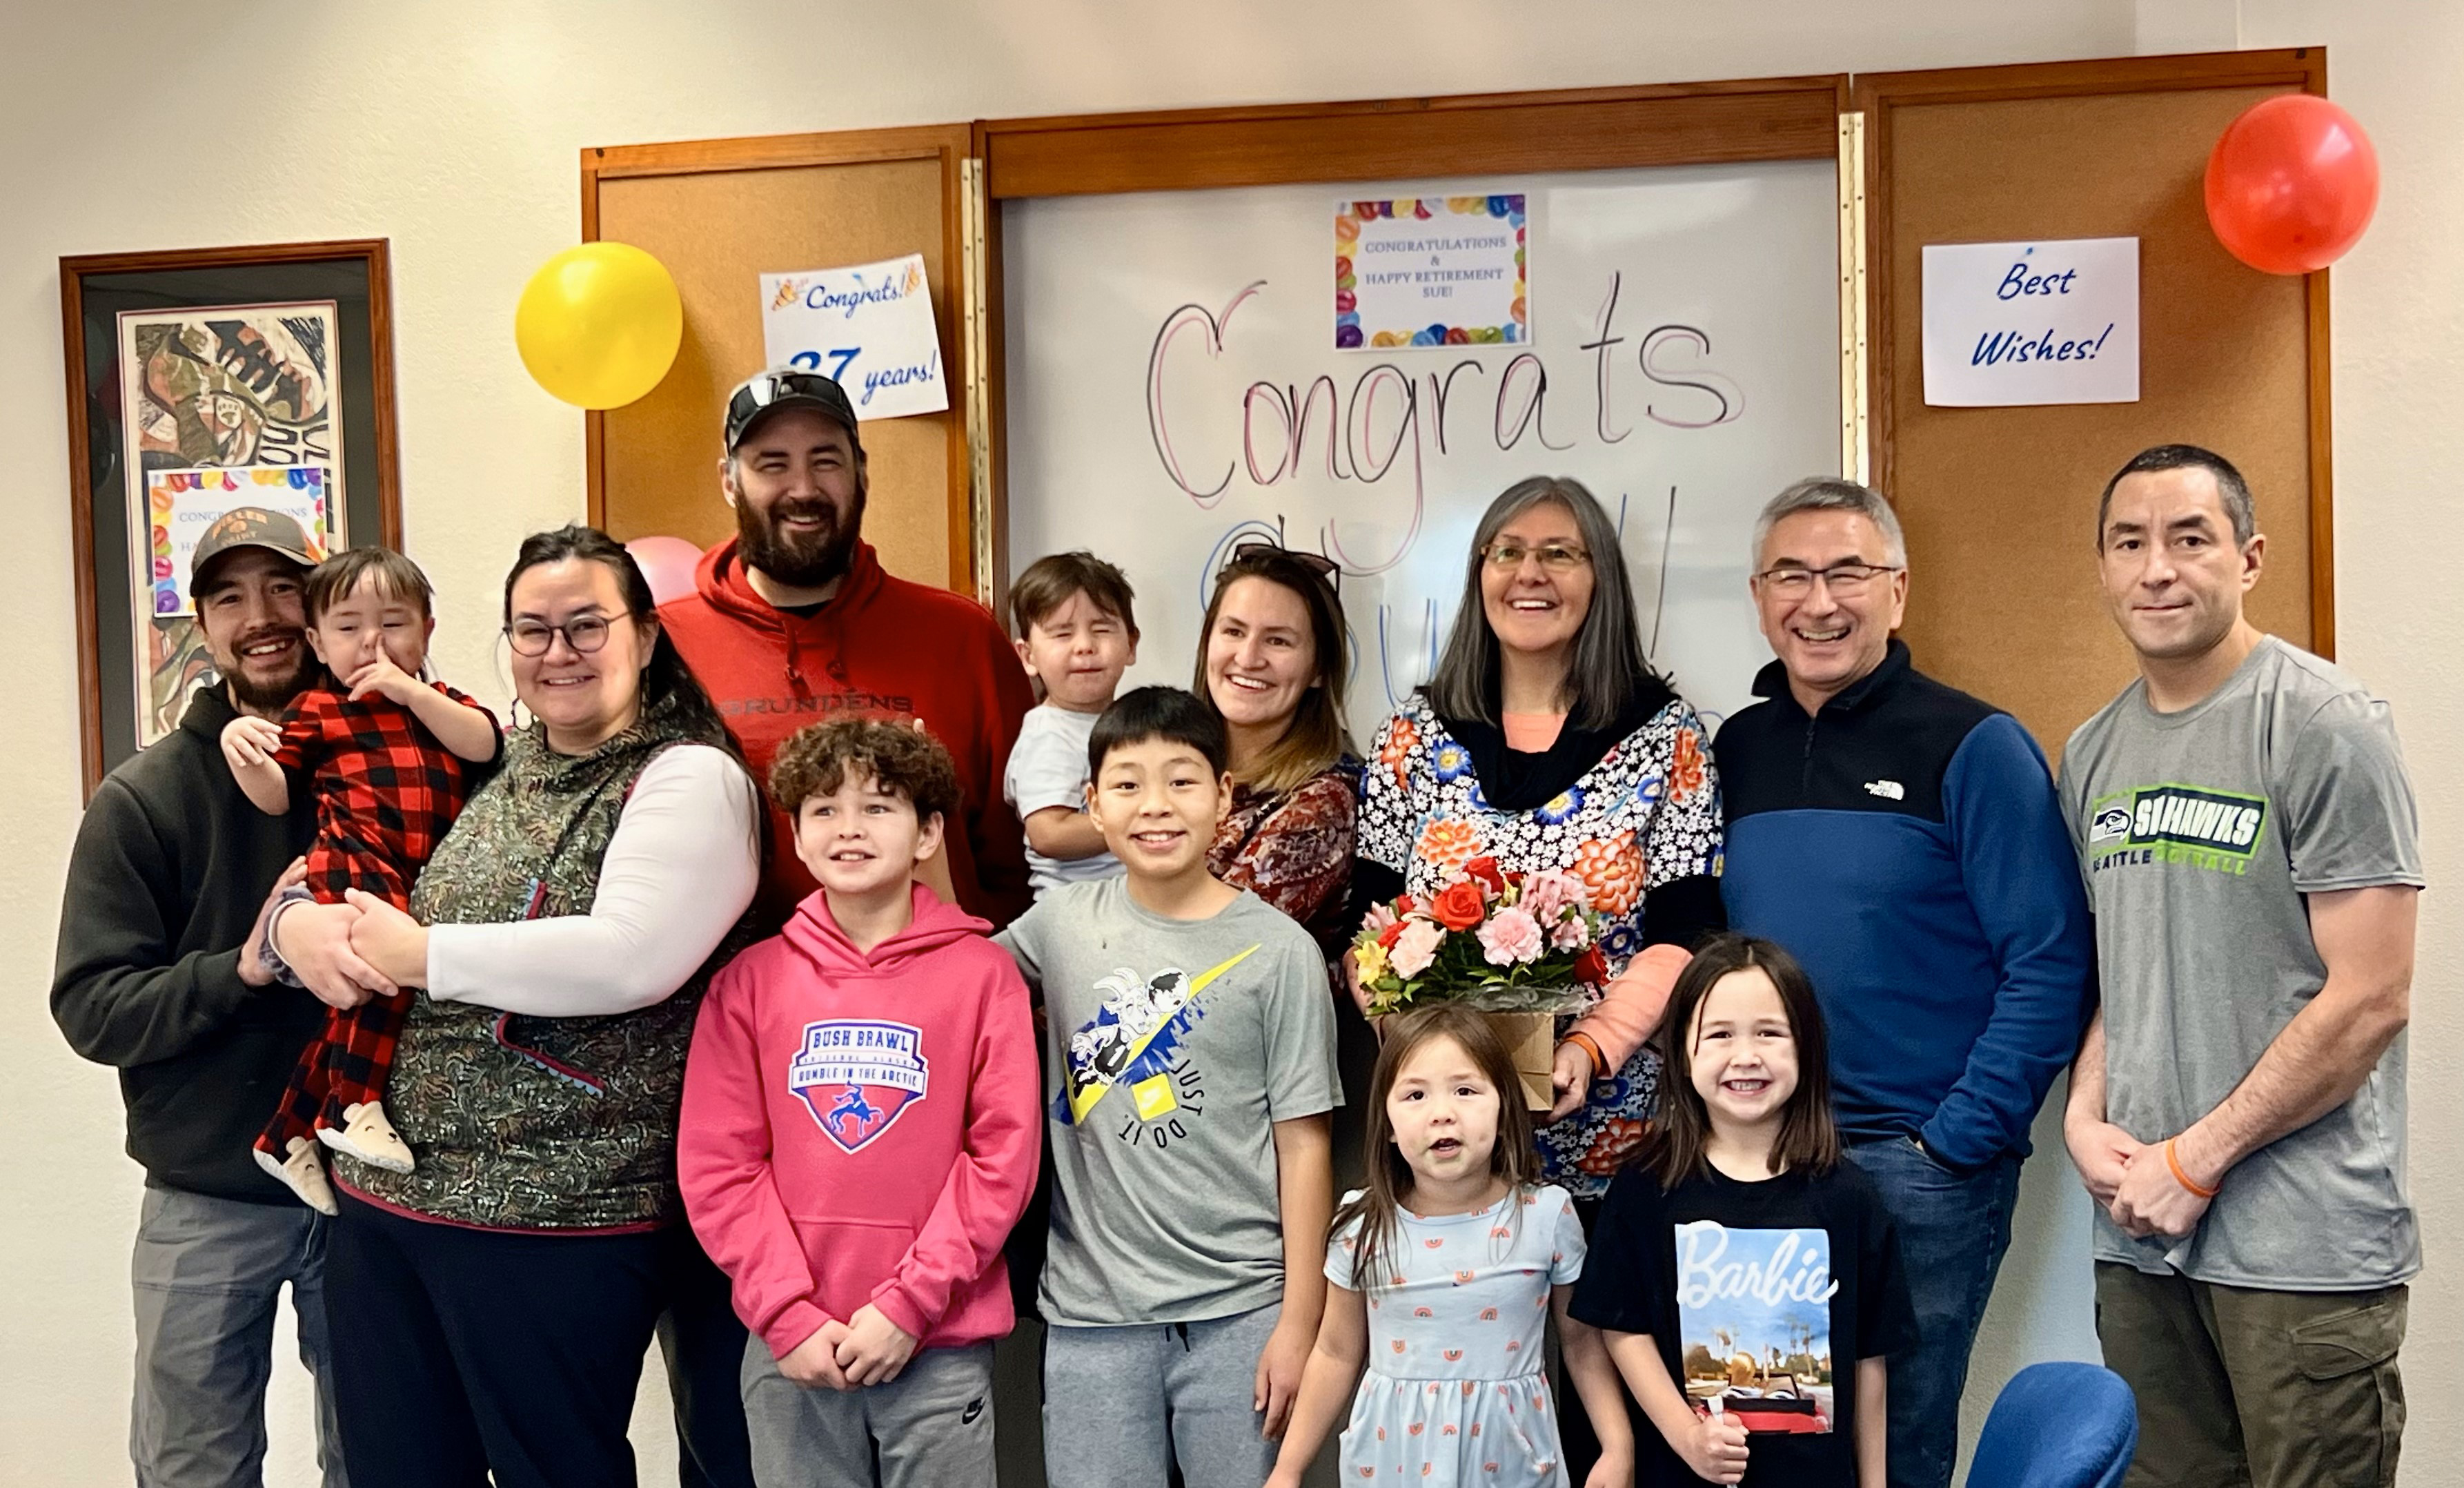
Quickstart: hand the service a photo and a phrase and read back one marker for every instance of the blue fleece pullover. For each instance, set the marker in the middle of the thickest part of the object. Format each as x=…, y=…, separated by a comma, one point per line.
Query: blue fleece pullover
x=1906, y=845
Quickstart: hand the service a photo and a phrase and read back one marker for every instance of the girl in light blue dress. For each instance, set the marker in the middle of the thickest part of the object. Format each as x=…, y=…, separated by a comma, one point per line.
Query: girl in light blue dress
x=1446, y=1271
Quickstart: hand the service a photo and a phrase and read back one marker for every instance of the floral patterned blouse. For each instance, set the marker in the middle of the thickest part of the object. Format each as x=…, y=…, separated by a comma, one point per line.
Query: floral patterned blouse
x=1294, y=850
x=1647, y=814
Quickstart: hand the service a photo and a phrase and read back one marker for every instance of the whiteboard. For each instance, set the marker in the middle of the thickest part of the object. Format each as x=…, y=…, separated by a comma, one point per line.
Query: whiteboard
x=1174, y=386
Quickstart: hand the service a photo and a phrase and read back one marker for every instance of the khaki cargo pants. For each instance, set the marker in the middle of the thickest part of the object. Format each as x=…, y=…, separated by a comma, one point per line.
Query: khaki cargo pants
x=2244, y=1388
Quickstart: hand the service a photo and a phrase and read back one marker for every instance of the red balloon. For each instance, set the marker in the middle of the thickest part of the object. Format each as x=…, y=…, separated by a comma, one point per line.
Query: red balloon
x=668, y=562
x=2292, y=183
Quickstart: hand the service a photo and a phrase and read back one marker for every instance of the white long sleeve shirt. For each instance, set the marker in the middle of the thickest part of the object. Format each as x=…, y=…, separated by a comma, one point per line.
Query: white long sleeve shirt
x=679, y=872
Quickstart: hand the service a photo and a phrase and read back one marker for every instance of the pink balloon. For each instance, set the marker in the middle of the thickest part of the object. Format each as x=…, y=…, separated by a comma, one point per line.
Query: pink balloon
x=668, y=562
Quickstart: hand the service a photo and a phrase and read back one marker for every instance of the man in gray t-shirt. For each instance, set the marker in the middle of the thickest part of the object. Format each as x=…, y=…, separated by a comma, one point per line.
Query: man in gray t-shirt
x=2247, y=833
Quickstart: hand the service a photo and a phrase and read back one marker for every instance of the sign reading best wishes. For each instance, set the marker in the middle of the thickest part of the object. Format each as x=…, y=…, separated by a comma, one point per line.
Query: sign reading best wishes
x=1430, y=271
x=2015, y=323
x=868, y=327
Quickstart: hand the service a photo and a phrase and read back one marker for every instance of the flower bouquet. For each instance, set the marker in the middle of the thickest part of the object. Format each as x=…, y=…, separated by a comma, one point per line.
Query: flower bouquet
x=1521, y=947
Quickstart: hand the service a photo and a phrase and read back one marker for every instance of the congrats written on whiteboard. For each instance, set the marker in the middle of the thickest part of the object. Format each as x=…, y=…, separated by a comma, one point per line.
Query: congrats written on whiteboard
x=2015, y=323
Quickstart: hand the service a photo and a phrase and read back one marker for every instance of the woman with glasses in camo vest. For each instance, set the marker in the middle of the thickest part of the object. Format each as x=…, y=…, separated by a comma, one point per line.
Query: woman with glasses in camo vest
x=493, y=1305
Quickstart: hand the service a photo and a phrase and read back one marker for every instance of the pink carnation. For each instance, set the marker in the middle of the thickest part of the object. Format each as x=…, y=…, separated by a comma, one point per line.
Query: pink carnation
x=1572, y=933
x=1547, y=893
x=1416, y=947
x=1511, y=936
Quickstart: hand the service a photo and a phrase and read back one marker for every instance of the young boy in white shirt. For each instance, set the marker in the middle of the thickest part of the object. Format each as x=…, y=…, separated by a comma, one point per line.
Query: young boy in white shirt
x=1077, y=634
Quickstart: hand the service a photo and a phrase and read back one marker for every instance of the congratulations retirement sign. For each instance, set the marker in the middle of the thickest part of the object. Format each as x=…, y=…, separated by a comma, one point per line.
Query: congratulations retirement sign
x=2015, y=323
x=1430, y=271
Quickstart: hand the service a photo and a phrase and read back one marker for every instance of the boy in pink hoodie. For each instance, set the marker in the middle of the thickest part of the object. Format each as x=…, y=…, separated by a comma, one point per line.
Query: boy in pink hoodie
x=860, y=1133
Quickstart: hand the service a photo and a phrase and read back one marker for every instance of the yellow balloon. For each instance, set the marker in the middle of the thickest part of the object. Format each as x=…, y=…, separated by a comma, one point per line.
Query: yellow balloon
x=599, y=324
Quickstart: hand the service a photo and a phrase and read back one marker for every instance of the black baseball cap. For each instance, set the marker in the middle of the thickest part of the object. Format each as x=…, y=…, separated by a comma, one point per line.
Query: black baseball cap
x=786, y=388
x=250, y=526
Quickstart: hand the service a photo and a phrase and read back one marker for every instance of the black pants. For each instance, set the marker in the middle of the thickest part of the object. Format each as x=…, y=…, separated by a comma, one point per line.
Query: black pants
x=471, y=1352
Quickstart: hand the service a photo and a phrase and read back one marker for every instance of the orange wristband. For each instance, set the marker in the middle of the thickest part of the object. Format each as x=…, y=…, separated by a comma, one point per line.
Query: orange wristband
x=2181, y=1177
x=1600, y=1060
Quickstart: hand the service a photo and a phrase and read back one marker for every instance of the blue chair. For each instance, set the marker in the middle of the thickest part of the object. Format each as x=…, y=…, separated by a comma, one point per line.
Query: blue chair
x=2058, y=1426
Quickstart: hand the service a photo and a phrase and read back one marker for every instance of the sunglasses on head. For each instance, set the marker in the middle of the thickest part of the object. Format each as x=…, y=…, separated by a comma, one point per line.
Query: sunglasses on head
x=1253, y=550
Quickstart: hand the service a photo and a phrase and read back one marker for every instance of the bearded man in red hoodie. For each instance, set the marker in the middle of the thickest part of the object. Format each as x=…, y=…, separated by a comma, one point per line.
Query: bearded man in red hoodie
x=794, y=621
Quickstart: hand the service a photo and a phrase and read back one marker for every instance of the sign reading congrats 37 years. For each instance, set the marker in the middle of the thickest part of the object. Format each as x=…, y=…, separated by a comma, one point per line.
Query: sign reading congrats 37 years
x=2011, y=323
x=869, y=327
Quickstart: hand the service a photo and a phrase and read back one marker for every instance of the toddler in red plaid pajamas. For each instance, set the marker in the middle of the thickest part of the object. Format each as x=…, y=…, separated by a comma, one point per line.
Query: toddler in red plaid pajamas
x=384, y=755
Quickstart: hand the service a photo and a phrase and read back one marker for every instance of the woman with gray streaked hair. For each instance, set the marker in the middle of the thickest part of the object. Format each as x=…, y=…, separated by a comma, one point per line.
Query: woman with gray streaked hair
x=1546, y=740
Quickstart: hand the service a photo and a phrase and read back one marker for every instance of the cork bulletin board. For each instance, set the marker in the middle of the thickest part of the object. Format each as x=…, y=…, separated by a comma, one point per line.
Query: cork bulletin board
x=2000, y=503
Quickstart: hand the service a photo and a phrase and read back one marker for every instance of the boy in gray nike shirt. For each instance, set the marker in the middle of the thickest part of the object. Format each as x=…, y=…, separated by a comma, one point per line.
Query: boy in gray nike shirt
x=1189, y=1073
x=2247, y=835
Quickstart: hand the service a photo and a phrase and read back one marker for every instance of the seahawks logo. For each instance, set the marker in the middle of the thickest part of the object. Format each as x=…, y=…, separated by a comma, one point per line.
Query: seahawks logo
x=2215, y=822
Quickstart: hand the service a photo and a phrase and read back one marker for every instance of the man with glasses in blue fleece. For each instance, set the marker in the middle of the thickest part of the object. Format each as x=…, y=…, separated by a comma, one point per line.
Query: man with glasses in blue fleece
x=1904, y=841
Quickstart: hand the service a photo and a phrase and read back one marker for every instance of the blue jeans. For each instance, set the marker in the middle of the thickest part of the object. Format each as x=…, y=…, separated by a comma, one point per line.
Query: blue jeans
x=1953, y=1228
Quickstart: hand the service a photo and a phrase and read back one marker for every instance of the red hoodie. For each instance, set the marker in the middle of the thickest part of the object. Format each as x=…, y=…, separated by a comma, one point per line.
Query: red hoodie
x=864, y=1127
x=881, y=646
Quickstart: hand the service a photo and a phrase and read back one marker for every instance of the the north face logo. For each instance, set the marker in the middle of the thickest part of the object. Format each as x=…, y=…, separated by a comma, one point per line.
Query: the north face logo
x=857, y=1075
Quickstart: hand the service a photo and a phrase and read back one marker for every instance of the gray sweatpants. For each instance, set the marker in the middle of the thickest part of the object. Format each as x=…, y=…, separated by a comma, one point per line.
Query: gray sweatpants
x=207, y=1273
x=1121, y=1404
x=931, y=1427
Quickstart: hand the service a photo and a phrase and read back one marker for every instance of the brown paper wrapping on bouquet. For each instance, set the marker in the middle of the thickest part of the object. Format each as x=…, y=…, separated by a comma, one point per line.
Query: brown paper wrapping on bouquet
x=1532, y=1039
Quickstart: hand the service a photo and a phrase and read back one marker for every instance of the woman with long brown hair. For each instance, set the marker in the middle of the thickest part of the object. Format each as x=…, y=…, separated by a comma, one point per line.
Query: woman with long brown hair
x=1271, y=664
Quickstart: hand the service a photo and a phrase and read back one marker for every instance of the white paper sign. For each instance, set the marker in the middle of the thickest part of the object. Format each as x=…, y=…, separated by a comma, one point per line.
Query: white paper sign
x=1432, y=270
x=869, y=327
x=2013, y=324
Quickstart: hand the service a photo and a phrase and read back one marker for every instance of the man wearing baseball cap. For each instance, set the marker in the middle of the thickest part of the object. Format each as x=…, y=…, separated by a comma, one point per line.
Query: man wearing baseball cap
x=794, y=621
x=158, y=976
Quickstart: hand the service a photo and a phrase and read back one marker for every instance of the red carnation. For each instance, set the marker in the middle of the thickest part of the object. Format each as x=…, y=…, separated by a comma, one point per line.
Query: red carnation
x=1387, y=937
x=1459, y=905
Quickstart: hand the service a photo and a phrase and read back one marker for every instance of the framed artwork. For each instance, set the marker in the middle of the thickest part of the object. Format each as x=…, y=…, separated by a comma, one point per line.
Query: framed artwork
x=198, y=382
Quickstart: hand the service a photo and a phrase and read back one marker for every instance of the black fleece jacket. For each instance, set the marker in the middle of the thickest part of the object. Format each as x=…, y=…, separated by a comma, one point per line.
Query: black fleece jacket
x=170, y=867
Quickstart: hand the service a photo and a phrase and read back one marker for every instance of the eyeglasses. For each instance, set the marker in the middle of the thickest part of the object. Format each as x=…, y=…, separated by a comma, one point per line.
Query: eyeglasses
x=1554, y=557
x=1255, y=550
x=1795, y=582
x=584, y=633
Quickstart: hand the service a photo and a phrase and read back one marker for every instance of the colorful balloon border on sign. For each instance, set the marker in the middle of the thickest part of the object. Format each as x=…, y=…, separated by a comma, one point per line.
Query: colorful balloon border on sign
x=1347, y=334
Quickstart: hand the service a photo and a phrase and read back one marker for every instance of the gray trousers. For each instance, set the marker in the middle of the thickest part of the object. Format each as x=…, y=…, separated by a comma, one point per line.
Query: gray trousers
x=931, y=1427
x=1122, y=1404
x=207, y=1273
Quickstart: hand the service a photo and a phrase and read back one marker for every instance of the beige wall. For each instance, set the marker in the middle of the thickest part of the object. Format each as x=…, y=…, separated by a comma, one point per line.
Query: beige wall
x=452, y=129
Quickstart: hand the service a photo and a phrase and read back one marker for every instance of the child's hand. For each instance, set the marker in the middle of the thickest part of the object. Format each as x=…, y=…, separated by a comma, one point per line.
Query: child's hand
x=384, y=677
x=250, y=742
x=875, y=1348
x=814, y=1363
x=1715, y=1449
x=1614, y=1469
x=1279, y=1375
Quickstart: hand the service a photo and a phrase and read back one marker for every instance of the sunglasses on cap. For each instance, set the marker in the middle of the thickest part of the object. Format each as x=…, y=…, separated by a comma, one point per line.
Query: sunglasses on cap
x=785, y=387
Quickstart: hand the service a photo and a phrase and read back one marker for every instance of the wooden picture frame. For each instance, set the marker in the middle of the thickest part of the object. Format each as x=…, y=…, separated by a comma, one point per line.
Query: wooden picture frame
x=252, y=358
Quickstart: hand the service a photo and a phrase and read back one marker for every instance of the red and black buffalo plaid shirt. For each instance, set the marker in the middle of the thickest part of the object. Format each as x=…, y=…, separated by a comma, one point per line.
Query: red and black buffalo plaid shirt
x=386, y=789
